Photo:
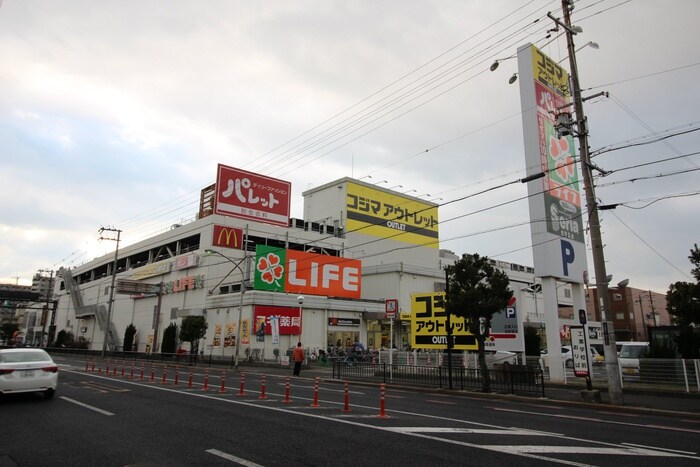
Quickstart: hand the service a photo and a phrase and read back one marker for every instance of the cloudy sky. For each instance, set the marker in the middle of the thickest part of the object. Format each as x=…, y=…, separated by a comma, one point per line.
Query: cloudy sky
x=116, y=113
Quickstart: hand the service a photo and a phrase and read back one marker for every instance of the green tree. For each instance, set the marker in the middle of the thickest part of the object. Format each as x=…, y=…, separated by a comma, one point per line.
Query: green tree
x=64, y=339
x=169, y=339
x=533, y=341
x=129, y=338
x=192, y=329
x=7, y=330
x=683, y=304
x=476, y=290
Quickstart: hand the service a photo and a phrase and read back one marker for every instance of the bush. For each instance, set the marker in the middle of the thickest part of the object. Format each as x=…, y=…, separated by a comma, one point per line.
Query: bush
x=169, y=339
x=660, y=349
x=129, y=337
x=533, y=341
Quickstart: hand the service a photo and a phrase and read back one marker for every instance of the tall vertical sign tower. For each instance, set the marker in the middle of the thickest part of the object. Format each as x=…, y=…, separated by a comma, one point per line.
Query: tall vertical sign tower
x=557, y=227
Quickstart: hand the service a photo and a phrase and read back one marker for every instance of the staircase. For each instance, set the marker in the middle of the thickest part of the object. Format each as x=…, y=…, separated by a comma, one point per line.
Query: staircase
x=86, y=311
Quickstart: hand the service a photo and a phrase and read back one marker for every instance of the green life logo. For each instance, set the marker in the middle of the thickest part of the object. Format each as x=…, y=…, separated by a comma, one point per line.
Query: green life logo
x=269, y=268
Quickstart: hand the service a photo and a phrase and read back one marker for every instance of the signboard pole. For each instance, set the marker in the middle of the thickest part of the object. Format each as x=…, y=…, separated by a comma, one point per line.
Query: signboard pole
x=449, y=330
x=589, y=386
x=155, y=332
x=391, y=349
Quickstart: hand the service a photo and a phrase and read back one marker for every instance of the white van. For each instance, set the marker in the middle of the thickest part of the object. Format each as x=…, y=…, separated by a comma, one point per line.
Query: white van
x=628, y=359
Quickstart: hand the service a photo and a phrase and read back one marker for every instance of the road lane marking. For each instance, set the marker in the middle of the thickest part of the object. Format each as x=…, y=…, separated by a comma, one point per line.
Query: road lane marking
x=73, y=401
x=660, y=449
x=104, y=387
x=232, y=458
x=439, y=429
x=434, y=401
x=599, y=420
x=495, y=448
x=620, y=451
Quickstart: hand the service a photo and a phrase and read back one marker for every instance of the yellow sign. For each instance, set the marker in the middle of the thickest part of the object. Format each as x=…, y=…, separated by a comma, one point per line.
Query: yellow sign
x=429, y=324
x=150, y=270
x=384, y=215
x=550, y=73
x=245, y=332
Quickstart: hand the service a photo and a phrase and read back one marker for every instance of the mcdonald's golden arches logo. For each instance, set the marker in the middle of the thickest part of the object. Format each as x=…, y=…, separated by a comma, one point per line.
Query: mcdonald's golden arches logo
x=227, y=237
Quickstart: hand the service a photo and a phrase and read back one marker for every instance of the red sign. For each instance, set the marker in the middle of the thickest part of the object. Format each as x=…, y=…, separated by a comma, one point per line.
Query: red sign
x=251, y=196
x=316, y=274
x=227, y=237
x=289, y=318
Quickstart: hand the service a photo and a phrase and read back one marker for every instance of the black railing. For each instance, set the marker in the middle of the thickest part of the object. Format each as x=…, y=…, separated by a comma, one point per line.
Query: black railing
x=178, y=358
x=509, y=379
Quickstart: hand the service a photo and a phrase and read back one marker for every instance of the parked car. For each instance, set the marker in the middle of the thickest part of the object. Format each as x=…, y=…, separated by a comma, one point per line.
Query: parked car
x=628, y=359
x=568, y=359
x=27, y=370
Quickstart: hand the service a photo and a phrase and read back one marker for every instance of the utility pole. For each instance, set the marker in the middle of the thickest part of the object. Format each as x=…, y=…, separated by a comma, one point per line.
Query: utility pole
x=111, y=289
x=45, y=311
x=611, y=363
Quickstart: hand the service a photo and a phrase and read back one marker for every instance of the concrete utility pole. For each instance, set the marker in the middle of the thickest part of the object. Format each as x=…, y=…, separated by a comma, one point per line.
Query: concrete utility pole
x=111, y=289
x=611, y=363
x=45, y=311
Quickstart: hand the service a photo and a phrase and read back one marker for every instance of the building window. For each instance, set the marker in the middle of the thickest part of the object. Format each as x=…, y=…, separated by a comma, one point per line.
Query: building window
x=619, y=316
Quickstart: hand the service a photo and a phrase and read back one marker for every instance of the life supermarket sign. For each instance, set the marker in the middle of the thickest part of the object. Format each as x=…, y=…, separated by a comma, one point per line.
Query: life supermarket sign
x=292, y=271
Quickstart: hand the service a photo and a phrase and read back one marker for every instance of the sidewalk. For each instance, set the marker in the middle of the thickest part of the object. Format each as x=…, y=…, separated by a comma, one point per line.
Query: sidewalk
x=634, y=400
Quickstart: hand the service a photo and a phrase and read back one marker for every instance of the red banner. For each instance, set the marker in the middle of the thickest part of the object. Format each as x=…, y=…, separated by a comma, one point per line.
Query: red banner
x=289, y=318
x=252, y=196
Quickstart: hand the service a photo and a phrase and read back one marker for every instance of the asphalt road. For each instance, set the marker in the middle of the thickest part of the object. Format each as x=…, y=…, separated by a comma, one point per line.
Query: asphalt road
x=113, y=420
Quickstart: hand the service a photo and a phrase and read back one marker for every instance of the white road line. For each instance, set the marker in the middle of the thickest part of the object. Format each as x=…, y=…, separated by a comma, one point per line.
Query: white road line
x=73, y=401
x=536, y=449
x=526, y=451
x=438, y=429
x=690, y=453
x=232, y=458
x=597, y=420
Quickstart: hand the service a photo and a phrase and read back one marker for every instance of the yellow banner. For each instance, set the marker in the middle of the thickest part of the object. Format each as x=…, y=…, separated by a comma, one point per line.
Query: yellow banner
x=384, y=215
x=429, y=324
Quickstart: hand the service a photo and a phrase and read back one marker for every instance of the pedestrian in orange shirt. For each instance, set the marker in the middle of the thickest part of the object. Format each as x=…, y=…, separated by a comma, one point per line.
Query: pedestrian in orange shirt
x=298, y=357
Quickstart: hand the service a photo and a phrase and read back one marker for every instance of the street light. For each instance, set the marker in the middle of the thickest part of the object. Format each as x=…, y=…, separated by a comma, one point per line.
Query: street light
x=300, y=300
x=533, y=289
x=236, y=265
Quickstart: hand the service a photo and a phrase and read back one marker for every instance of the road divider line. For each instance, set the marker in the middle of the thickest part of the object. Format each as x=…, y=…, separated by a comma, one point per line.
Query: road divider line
x=81, y=404
x=232, y=458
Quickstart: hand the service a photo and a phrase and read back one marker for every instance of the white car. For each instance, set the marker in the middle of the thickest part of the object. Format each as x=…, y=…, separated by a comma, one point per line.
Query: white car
x=27, y=370
x=628, y=359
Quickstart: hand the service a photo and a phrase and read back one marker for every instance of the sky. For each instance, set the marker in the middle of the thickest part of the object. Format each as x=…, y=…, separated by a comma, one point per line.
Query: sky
x=116, y=113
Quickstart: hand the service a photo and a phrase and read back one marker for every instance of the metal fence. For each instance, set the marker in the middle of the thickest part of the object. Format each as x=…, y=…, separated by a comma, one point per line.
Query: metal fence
x=675, y=373
x=509, y=379
x=671, y=375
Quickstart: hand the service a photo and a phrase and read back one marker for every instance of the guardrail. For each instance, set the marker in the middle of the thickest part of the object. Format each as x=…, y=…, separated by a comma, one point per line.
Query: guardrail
x=509, y=379
x=665, y=374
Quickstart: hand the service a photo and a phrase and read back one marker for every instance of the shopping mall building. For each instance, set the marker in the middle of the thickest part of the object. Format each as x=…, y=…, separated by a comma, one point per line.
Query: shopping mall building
x=361, y=254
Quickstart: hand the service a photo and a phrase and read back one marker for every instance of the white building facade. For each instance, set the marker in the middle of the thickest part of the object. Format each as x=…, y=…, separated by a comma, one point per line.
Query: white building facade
x=216, y=267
